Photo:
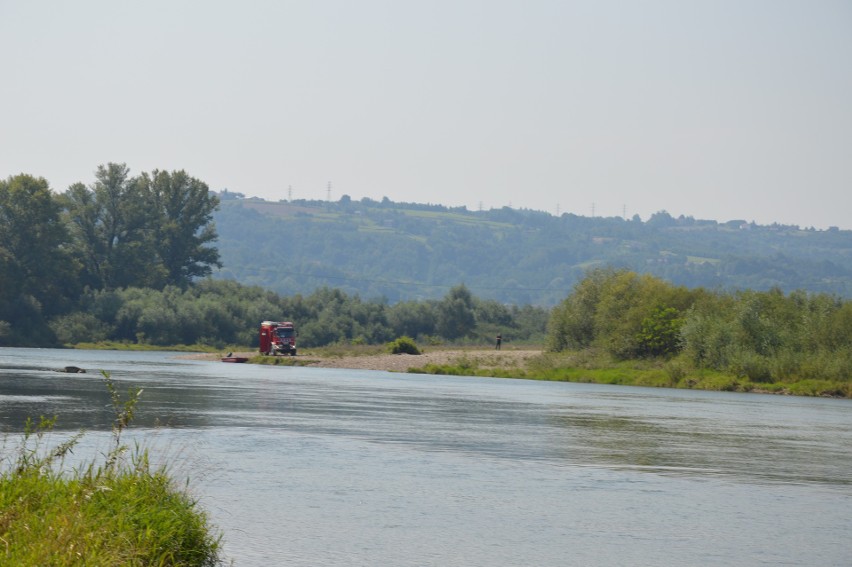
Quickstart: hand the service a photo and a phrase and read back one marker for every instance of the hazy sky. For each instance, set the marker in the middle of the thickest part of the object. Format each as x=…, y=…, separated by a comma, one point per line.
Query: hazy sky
x=717, y=109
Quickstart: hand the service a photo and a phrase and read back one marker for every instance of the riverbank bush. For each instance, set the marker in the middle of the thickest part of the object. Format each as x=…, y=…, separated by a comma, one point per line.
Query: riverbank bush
x=403, y=345
x=745, y=340
x=122, y=511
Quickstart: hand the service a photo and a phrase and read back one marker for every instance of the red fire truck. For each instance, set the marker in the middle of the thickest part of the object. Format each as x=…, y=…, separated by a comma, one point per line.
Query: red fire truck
x=277, y=337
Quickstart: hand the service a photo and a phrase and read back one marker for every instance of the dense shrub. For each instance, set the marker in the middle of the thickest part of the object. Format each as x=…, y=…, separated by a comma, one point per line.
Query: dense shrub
x=760, y=337
x=403, y=345
x=80, y=327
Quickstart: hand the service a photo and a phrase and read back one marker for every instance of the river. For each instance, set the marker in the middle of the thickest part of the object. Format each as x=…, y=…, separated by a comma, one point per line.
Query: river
x=310, y=466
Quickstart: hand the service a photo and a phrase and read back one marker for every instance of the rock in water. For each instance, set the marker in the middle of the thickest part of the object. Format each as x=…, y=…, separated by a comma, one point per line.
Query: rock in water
x=72, y=370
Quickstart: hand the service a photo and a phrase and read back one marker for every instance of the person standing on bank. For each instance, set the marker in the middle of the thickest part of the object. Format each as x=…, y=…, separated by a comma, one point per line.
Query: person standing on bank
x=499, y=340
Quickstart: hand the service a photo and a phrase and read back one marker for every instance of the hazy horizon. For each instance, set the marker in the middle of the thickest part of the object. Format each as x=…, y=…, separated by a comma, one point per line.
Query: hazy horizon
x=712, y=109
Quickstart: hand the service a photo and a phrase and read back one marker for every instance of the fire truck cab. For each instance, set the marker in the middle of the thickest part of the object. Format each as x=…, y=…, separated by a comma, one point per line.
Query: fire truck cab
x=277, y=337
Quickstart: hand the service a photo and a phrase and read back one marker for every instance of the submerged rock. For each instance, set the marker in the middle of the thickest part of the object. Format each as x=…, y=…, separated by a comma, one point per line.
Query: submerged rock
x=72, y=370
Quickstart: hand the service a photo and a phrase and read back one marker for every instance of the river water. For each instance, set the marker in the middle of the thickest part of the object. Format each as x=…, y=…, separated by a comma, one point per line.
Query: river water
x=309, y=466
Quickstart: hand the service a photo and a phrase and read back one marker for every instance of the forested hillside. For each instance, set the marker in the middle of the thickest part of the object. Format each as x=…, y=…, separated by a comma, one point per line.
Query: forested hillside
x=403, y=251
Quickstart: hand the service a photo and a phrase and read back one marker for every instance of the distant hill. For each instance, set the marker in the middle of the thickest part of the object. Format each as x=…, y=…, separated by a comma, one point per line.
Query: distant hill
x=403, y=251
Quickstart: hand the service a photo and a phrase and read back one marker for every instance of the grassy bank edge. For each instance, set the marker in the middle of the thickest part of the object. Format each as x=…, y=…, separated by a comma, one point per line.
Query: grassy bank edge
x=116, y=511
x=581, y=367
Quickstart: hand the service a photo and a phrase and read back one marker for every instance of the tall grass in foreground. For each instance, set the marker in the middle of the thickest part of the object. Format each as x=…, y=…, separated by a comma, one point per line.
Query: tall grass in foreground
x=121, y=511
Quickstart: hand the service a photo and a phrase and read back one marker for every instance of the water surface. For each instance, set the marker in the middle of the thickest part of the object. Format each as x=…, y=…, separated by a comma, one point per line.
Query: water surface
x=307, y=466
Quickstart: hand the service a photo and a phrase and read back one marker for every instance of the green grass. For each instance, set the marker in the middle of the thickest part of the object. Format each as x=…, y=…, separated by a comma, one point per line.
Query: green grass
x=118, y=511
x=300, y=360
x=591, y=367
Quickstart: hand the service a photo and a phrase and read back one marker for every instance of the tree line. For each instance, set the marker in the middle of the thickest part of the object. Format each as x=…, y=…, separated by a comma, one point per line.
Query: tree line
x=150, y=230
x=764, y=336
x=127, y=258
x=222, y=313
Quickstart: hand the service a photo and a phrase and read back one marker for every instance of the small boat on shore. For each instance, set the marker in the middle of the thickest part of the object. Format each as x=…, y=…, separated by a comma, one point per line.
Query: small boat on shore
x=234, y=359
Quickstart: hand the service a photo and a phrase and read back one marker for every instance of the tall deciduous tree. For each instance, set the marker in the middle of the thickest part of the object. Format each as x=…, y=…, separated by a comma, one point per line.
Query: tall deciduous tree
x=181, y=209
x=148, y=231
x=83, y=218
x=35, y=279
x=109, y=224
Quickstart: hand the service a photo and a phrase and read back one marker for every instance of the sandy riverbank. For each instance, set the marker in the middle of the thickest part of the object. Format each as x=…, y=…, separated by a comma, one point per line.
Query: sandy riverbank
x=535, y=364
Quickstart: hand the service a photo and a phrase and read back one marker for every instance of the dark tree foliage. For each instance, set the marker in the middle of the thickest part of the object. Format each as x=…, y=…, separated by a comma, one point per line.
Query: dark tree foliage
x=109, y=225
x=412, y=318
x=152, y=230
x=456, y=317
x=180, y=209
x=36, y=274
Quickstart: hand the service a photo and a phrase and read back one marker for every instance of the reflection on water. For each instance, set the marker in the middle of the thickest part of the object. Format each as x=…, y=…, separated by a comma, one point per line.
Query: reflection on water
x=318, y=466
x=688, y=446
